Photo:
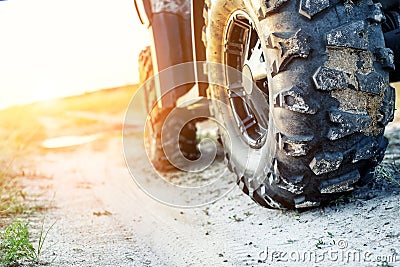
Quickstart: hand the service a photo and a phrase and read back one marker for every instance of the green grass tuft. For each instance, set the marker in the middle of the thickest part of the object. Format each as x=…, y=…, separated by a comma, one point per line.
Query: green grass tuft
x=15, y=246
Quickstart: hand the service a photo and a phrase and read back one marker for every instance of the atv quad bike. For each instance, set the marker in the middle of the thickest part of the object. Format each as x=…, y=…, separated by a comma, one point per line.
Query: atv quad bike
x=316, y=117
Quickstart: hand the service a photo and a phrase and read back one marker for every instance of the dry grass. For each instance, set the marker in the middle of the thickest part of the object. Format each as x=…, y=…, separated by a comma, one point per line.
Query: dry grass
x=107, y=101
x=22, y=129
x=21, y=126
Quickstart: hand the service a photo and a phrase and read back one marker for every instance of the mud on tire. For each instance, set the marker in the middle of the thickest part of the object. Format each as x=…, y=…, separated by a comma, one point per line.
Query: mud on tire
x=328, y=93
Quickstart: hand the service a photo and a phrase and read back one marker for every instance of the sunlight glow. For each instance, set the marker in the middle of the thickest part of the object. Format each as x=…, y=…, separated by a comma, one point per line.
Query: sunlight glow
x=68, y=141
x=53, y=48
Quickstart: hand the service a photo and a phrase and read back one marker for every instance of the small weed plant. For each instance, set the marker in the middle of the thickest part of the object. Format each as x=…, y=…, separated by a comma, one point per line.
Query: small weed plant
x=15, y=246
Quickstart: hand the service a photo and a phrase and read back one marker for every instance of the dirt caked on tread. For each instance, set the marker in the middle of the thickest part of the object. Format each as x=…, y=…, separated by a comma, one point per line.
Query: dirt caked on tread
x=328, y=92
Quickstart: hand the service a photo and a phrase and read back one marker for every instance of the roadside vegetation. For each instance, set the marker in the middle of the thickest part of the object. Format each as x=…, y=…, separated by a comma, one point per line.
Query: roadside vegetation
x=25, y=123
x=19, y=130
x=22, y=129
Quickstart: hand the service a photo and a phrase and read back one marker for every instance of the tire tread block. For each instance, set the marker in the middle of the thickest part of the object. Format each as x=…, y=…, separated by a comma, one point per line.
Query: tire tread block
x=340, y=184
x=310, y=8
x=349, y=123
x=290, y=45
x=326, y=162
x=352, y=35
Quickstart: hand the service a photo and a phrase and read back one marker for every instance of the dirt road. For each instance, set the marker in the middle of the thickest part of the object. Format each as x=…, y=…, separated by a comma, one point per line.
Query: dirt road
x=104, y=219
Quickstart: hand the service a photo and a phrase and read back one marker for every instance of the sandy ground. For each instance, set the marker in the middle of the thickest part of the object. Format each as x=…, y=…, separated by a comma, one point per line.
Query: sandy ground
x=104, y=219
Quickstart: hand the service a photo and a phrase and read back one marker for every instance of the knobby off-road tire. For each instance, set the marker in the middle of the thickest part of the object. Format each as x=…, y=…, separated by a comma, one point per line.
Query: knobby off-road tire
x=156, y=122
x=327, y=89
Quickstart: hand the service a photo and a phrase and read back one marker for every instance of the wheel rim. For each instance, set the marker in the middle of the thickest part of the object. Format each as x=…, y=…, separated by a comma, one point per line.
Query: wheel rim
x=248, y=92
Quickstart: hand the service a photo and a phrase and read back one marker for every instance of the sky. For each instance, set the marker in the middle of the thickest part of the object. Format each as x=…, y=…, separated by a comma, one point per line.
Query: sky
x=53, y=48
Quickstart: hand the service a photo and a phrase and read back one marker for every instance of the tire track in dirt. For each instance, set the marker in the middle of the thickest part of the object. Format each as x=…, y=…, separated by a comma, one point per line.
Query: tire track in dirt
x=177, y=227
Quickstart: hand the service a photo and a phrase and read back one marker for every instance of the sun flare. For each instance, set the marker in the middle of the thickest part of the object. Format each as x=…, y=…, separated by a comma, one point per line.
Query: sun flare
x=56, y=48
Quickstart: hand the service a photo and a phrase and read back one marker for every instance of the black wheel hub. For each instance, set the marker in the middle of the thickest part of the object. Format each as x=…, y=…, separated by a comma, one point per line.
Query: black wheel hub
x=248, y=93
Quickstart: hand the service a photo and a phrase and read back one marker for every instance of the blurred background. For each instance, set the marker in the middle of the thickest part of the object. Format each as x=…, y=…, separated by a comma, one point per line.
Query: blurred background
x=56, y=48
